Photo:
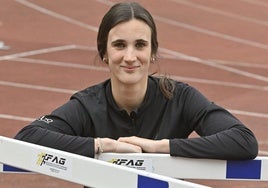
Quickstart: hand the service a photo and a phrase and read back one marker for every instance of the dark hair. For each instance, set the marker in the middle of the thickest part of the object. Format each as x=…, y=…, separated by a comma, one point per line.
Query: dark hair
x=122, y=12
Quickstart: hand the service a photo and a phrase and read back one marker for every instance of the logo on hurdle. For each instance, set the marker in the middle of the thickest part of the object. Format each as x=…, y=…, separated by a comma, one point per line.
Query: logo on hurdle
x=139, y=164
x=44, y=158
x=51, y=162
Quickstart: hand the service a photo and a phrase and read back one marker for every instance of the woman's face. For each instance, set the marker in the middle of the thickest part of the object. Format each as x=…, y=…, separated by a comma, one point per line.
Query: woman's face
x=129, y=52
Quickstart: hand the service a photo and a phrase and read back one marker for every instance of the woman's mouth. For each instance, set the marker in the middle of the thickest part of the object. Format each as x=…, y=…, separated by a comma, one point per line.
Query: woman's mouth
x=130, y=68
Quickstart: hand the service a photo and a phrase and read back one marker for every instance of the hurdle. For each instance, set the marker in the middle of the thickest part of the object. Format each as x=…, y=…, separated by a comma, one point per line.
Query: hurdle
x=189, y=168
x=79, y=169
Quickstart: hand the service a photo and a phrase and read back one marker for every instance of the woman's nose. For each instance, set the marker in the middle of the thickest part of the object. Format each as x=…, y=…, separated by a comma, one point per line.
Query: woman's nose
x=130, y=55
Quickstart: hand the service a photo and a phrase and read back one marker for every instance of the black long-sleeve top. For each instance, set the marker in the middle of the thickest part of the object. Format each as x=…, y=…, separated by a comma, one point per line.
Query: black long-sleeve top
x=92, y=113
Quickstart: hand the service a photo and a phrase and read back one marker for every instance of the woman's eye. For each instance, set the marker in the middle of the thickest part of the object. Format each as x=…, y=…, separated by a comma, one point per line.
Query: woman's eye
x=119, y=45
x=141, y=45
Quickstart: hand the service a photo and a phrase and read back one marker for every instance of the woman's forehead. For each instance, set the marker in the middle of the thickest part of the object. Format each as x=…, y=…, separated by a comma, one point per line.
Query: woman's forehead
x=133, y=29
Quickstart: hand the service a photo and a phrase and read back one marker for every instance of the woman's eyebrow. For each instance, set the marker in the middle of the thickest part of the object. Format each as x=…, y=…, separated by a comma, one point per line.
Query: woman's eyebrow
x=123, y=41
x=117, y=41
x=142, y=40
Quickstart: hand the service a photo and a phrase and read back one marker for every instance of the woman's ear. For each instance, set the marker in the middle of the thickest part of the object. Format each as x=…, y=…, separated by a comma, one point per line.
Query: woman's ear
x=153, y=59
x=105, y=59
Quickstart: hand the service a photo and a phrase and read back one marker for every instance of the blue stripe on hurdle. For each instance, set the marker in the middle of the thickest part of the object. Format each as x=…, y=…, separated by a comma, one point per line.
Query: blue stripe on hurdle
x=248, y=169
x=7, y=168
x=147, y=182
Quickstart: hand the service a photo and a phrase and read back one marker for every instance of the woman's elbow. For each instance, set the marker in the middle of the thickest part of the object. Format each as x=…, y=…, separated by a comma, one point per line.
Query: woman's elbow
x=253, y=149
x=28, y=134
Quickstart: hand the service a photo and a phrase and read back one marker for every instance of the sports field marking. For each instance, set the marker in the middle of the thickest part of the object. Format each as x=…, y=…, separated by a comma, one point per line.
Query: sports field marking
x=264, y=142
x=263, y=153
x=240, y=64
x=252, y=114
x=202, y=30
x=36, y=87
x=57, y=15
x=109, y=3
x=104, y=69
x=158, y=18
x=210, y=32
x=256, y=2
x=161, y=50
x=191, y=27
x=17, y=118
x=61, y=64
x=220, y=12
x=220, y=83
x=37, y=52
x=212, y=64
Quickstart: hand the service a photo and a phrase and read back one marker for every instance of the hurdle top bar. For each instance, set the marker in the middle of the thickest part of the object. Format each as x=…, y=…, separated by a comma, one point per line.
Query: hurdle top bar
x=183, y=168
x=189, y=168
x=79, y=169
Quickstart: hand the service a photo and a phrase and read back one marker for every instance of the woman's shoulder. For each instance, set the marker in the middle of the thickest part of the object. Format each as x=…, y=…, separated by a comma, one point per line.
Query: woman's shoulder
x=177, y=84
x=96, y=90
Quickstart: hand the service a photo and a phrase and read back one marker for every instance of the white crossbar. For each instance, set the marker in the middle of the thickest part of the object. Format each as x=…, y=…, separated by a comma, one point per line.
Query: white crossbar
x=188, y=168
x=79, y=169
x=183, y=168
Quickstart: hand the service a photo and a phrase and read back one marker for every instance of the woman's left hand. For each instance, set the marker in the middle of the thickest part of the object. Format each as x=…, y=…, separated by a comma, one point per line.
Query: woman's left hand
x=148, y=145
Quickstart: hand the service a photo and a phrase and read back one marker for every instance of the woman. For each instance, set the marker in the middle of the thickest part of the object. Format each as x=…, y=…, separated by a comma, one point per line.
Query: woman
x=135, y=112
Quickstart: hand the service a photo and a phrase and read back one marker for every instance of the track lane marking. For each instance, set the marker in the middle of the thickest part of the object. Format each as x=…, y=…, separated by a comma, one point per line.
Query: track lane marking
x=37, y=87
x=256, y=2
x=220, y=12
x=57, y=15
x=37, y=52
x=187, y=26
x=156, y=17
x=213, y=64
x=103, y=69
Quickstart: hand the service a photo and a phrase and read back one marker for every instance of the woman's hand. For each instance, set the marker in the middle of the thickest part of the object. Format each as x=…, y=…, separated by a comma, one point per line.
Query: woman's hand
x=111, y=145
x=147, y=145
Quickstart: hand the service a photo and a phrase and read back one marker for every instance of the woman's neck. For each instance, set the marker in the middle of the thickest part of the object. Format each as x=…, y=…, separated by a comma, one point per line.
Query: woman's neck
x=129, y=97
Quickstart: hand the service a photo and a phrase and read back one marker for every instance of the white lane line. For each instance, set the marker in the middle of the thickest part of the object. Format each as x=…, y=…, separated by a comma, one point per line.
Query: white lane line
x=18, y=118
x=211, y=33
x=240, y=64
x=61, y=64
x=108, y=3
x=159, y=18
x=252, y=114
x=264, y=142
x=263, y=153
x=163, y=50
x=220, y=61
x=179, y=78
x=247, y=74
x=36, y=87
x=256, y=2
x=57, y=15
x=220, y=83
x=37, y=52
x=212, y=64
x=223, y=13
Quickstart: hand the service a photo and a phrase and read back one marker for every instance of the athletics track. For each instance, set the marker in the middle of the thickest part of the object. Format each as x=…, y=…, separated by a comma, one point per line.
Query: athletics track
x=220, y=47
